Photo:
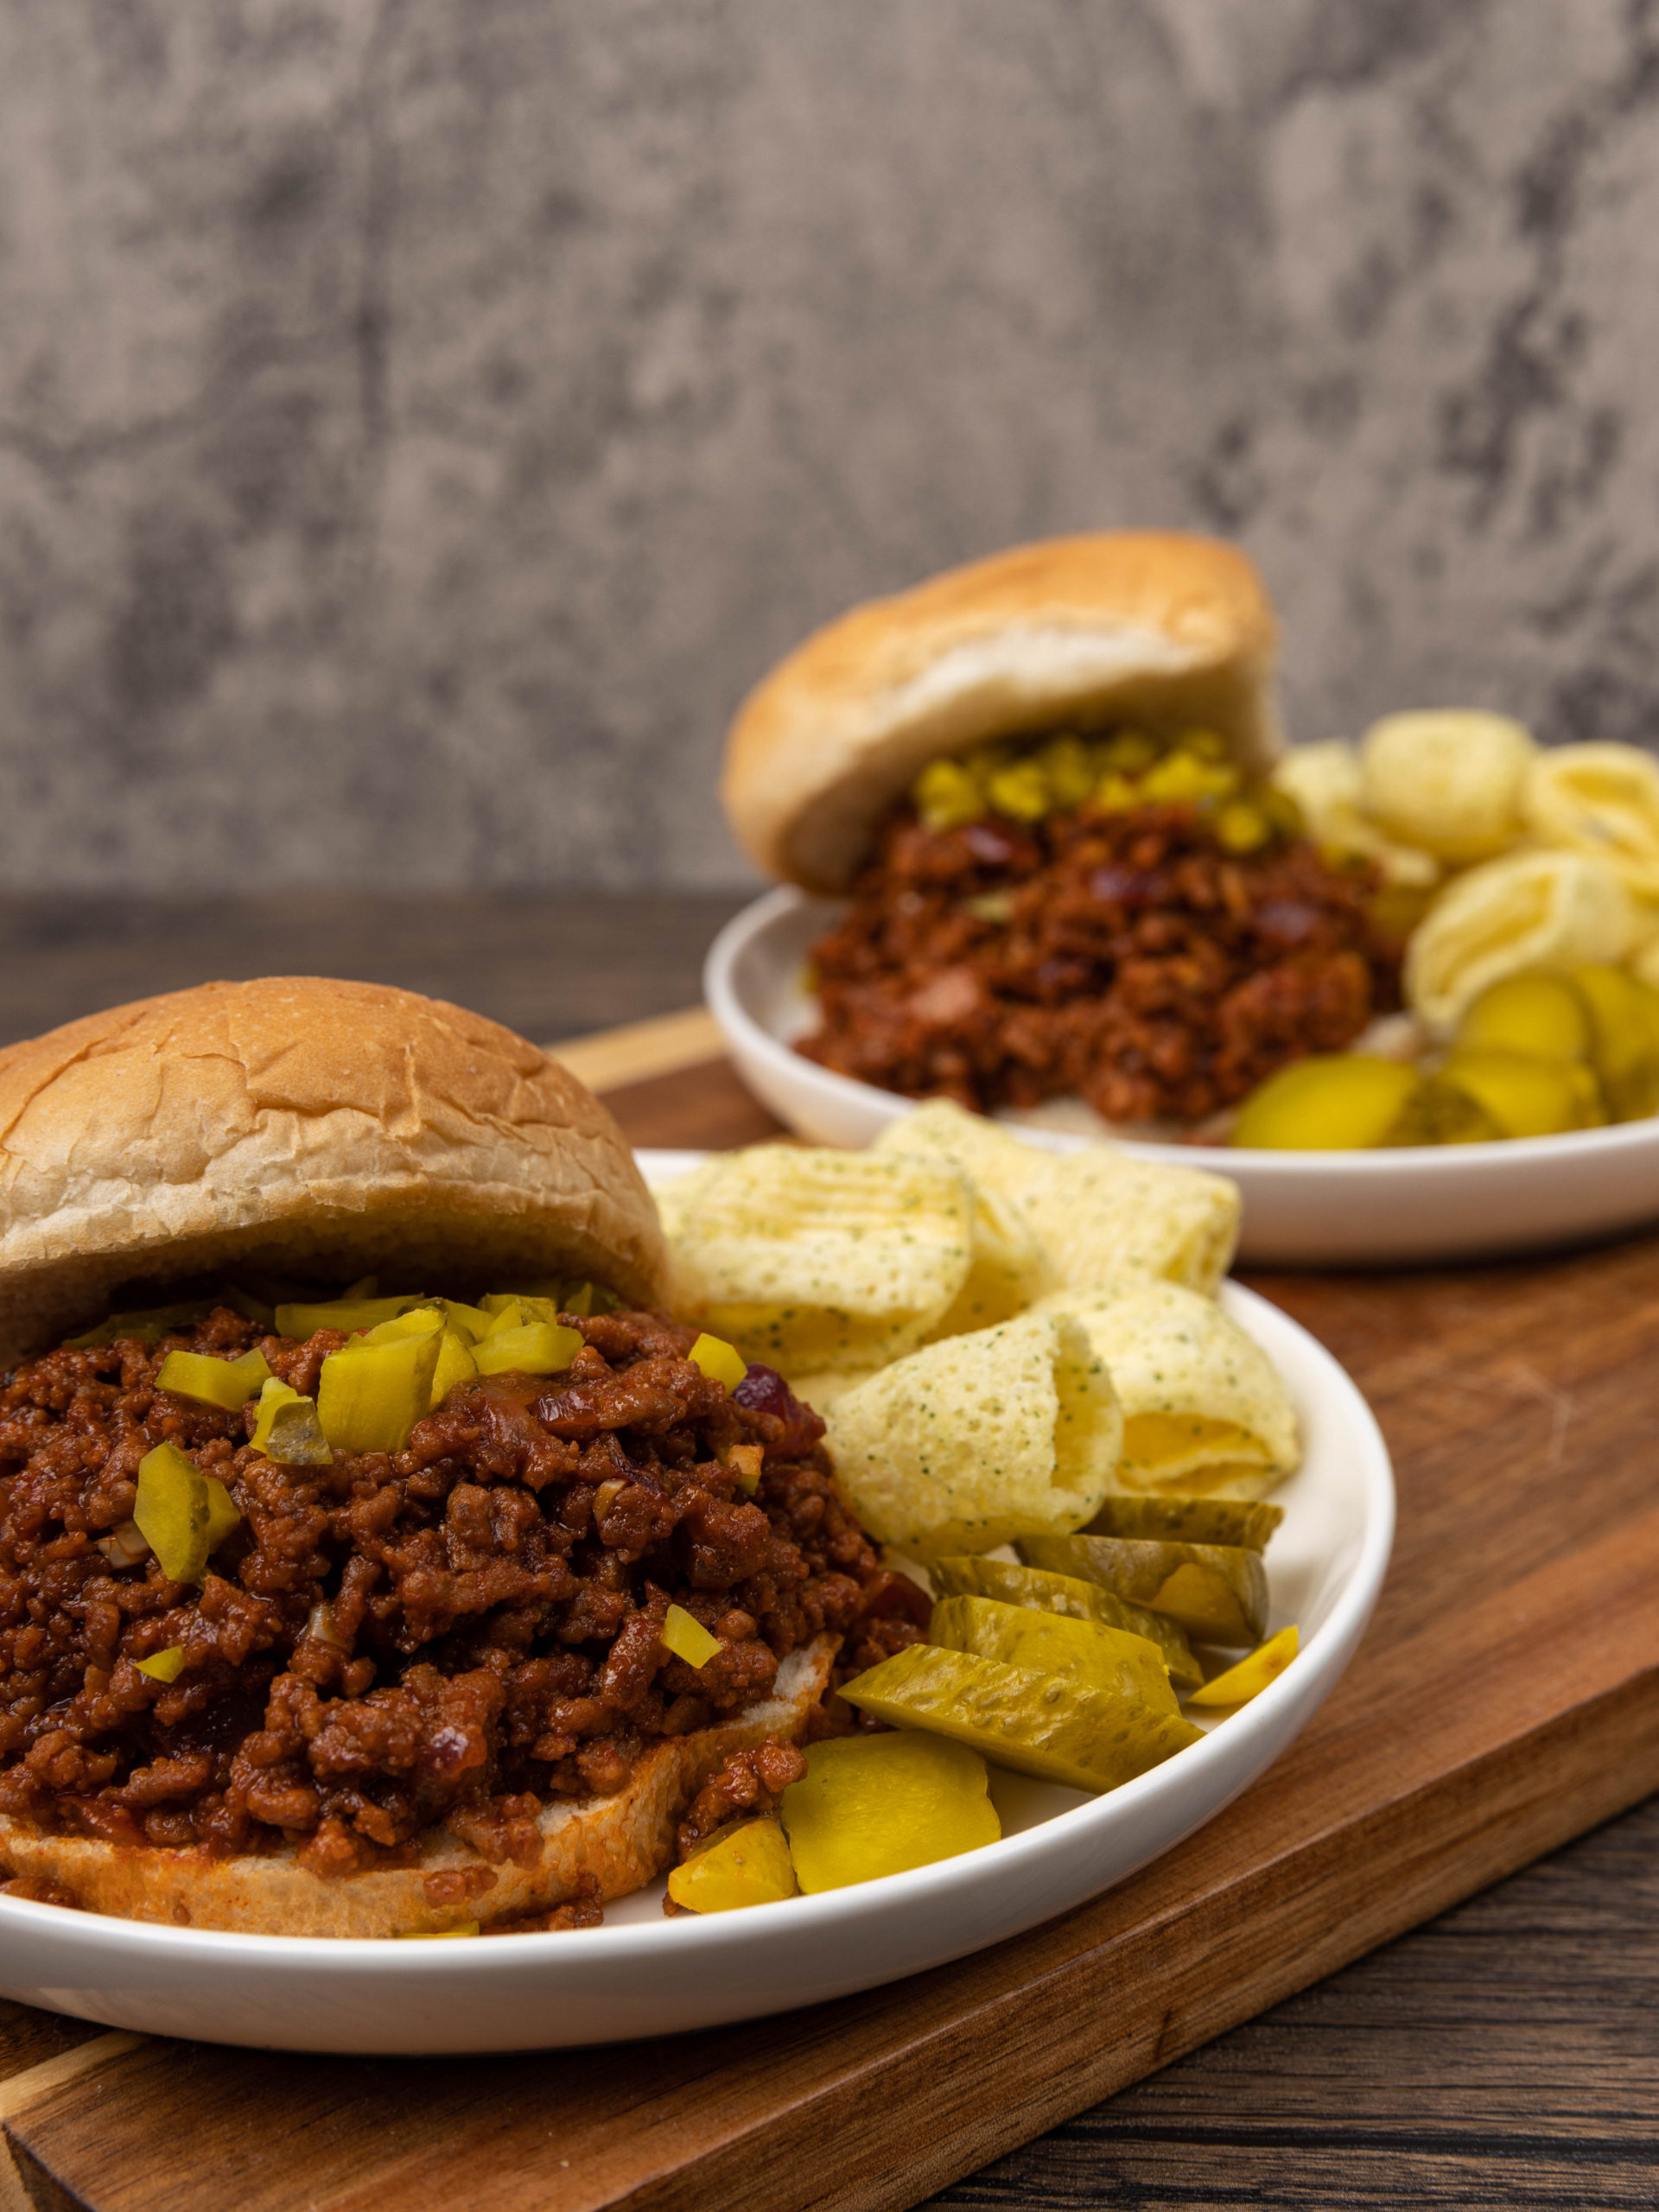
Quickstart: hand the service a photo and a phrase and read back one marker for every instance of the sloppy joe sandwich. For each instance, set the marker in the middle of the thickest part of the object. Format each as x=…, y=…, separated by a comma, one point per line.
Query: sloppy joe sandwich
x=376, y=1557
x=1043, y=781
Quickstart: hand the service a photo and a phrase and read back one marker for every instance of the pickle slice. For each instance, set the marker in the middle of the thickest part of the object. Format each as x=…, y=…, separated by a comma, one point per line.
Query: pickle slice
x=1218, y=1593
x=1188, y=1520
x=1040, y=1725
x=226, y=1383
x=1252, y=1674
x=977, y=1577
x=873, y=1805
x=1088, y=1652
x=287, y=1428
x=370, y=1395
x=1624, y=1038
x=174, y=1510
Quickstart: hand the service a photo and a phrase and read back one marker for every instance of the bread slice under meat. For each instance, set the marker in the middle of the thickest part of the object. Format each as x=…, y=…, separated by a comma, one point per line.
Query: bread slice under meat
x=618, y=1843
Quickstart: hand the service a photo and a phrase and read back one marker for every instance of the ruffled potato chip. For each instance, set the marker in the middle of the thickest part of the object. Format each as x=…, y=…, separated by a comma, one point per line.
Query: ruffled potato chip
x=1325, y=782
x=811, y=1259
x=1602, y=800
x=1012, y=1431
x=1096, y=1214
x=1530, y=909
x=1206, y=1412
x=1451, y=781
x=1007, y=1270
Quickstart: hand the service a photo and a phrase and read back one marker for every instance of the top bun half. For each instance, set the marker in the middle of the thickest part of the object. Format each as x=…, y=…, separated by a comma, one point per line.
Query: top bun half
x=299, y=1127
x=1147, y=628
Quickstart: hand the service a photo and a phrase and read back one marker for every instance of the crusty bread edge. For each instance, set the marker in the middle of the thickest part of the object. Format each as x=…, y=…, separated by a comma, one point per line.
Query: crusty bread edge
x=615, y=1844
x=1153, y=628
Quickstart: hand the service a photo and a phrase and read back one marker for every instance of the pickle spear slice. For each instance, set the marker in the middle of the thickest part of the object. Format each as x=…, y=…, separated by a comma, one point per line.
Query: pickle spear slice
x=1040, y=1724
x=1087, y=1652
x=1188, y=1520
x=975, y=1576
x=1218, y=1593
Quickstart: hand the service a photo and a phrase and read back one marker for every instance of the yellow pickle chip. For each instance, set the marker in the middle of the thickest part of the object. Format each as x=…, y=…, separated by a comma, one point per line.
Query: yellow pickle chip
x=873, y=1805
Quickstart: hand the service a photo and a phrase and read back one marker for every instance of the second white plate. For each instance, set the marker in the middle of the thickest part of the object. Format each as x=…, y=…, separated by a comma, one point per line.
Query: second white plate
x=1301, y=1209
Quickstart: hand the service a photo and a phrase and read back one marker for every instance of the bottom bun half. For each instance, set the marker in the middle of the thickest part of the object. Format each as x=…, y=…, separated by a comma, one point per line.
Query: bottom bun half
x=611, y=1845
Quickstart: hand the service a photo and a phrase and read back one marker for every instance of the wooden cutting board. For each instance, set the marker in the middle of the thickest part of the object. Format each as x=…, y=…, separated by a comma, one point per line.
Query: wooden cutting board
x=1506, y=1698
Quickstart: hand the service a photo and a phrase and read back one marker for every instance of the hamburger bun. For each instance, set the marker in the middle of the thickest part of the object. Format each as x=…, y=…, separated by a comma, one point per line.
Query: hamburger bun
x=607, y=1847
x=1153, y=629
x=297, y=1126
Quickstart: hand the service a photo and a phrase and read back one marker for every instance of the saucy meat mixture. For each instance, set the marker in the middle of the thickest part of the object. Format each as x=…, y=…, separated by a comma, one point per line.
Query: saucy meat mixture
x=462, y=1632
x=1124, y=956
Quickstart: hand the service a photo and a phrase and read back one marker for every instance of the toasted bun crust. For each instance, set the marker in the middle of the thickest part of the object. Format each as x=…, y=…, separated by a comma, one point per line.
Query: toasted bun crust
x=296, y=1126
x=1146, y=627
x=619, y=1843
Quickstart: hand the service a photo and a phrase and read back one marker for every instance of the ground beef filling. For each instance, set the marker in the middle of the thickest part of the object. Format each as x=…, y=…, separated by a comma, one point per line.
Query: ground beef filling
x=1123, y=958
x=462, y=1633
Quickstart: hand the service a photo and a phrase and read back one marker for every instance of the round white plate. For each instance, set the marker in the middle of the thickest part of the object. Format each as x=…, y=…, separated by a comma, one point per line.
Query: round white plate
x=643, y=1975
x=1301, y=1209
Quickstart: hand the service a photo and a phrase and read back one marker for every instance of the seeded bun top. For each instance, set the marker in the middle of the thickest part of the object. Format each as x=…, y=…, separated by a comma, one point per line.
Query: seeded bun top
x=299, y=1126
x=1146, y=628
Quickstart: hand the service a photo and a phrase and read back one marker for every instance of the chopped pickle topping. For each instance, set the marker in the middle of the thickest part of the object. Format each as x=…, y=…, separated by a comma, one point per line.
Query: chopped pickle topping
x=347, y=1314
x=527, y=1348
x=1128, y=768
x=163, y=1665
x=719, y=1361
x=687, y=1638
x=456, y=1366
x=228, y=1383
x=287, y=1430
x=372, y=1392
x=181, y=1513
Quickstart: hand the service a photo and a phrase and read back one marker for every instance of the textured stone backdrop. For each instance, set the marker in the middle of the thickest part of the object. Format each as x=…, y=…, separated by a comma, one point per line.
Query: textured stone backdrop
x=421, y=419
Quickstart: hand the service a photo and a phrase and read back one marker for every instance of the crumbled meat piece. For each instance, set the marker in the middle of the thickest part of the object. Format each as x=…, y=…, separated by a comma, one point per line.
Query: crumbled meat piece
x=494, y=1597
x=750, y=1782
x=1124, y=958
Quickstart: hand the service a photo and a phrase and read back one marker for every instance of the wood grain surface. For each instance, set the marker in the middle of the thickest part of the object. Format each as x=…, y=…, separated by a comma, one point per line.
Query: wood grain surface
x=1508, y=1698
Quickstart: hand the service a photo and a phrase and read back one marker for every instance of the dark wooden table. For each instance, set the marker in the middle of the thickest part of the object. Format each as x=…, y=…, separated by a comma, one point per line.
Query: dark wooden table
x=1507, y=2054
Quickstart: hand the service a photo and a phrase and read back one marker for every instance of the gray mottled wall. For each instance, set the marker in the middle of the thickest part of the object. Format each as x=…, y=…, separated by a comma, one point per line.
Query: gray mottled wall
x=421, y=419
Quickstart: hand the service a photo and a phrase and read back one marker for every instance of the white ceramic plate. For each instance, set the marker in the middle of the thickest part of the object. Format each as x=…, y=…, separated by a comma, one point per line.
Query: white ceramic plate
x=1301, y=1209
x=643, y=1975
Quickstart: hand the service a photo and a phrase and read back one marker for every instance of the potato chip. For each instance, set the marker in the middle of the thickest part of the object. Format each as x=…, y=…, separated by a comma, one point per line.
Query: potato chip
x=1323, y=780
x=1096, y=1214
x=1530, y=909
x=817, y=1259
x=1602, y=800
x=964, y=1445
x=1450, y=781
x=1007, y=1270
x=1206, y=1412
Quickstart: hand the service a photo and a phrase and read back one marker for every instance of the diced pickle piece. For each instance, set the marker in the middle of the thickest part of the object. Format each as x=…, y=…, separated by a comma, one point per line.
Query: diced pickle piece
x=1624, y=1038
x=946, y=795
x=1527, y=1097
x=223, y=1514
x=1021, y=791
x=456, y=1366
x=163, y=1665
x=348, y=1315
x=1218, y=1593
x=977, y=1577
x=719, y=1361
x=417, y=1322
x=1050, y=1643
x=873, y=1805
x=1338, y=1103
x=1188, y=1520
x=287, y=1428
x=1250, y=1676
x=1069, y=767
x=469, y=1323
x=748, y=1865
x=684, y=1635
x=1541, y=1016
x=228, y=1383
x=172, y=1511
x=531, y=1347
x=370, y=1395
x=1040, y=1724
